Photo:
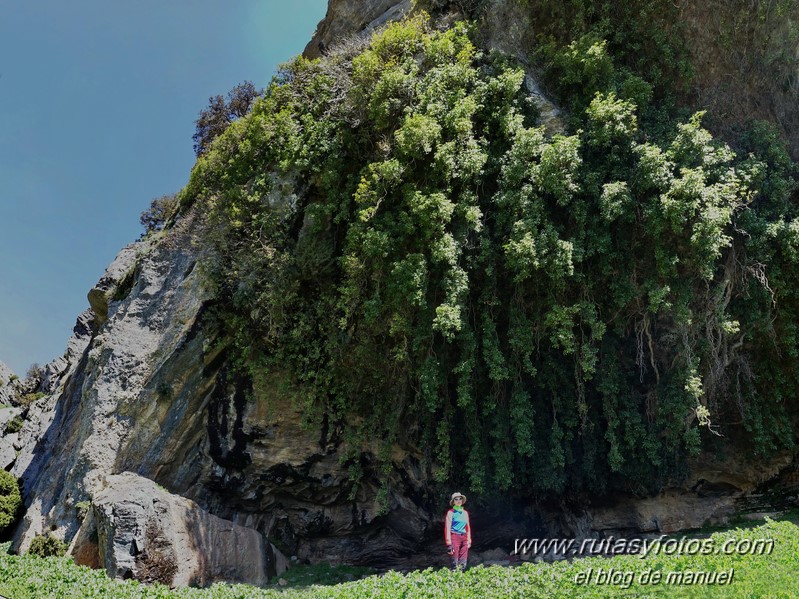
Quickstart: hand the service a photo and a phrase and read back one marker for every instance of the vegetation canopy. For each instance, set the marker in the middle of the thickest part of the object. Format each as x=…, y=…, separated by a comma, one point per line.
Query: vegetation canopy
x=394, y=231
x=10, y=500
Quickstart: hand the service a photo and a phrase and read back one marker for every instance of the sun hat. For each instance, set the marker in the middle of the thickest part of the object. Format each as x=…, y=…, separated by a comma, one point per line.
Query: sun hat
x=455, y=495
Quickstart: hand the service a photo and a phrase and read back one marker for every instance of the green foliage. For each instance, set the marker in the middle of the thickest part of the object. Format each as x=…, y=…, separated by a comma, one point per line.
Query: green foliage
x=34, y=371
x=47, y=546
x=219, y=114
x=323, y=574
x=768, y=575
x=10, y=499
x=161, y=210
x=28, y=398
x=14, y=425
x=545, y=314
x=576, y=39
x=82, y=509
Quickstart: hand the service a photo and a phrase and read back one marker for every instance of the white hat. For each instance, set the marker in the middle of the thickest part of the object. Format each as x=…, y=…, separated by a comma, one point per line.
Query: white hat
x=455, y=495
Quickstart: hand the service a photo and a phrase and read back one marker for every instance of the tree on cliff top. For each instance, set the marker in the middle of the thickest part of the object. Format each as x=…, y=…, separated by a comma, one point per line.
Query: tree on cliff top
x=213, y=121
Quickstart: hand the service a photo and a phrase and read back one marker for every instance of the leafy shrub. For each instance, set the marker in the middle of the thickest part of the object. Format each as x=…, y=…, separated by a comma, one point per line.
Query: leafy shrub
x=542, y=314
x=82, y=509
x=10, y=500
x=160, y=211
x=645, y=37
x=35, y=371
x=14, y=425
x=28, y=398
x=214, y=119
x=47, y=546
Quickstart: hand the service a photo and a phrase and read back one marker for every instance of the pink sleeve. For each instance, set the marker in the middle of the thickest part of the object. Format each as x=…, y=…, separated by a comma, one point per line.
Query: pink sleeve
x=447, y=527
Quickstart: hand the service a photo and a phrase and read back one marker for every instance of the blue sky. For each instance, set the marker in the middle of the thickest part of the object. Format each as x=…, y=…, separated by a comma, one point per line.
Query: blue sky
x=98, y=100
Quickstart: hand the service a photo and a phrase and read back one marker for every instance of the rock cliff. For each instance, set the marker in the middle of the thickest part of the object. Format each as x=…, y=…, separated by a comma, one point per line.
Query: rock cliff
x=345, y=19
x=145, y=388
x=145, y=392
x=6, y=387
x=137, y=529
x=5, y=373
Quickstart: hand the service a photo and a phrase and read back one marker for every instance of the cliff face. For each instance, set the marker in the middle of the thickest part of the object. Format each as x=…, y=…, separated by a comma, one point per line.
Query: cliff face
x=5, y=373
x=145, y=387
x=745, y=63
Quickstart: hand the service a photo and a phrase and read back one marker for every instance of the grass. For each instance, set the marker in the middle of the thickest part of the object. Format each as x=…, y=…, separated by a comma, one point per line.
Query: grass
x=323, y=574
x=767, y=576
x=745, y=521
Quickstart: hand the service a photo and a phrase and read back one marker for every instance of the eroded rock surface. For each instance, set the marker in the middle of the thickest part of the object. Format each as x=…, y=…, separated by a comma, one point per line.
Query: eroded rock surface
x=149, y=390
x=6, y=374
x=76, y=434
x=137, y=529
x=6, y=392
x=347, y=18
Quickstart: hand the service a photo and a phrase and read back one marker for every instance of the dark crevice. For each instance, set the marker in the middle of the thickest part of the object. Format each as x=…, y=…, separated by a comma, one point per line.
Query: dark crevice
x=228, y=441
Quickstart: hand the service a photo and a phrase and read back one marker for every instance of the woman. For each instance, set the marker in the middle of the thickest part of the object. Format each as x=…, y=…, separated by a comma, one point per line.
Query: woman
x=457, y=532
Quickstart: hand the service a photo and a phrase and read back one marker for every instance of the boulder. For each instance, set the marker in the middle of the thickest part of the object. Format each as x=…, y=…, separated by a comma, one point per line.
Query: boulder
x=138, y=530
x=116, y=281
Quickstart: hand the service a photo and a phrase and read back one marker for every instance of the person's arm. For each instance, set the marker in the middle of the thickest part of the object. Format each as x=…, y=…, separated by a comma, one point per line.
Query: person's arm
x=448, y=528
x=468, y=530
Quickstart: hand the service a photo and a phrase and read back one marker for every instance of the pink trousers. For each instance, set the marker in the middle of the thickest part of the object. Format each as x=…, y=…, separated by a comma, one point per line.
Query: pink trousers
x=461, y=550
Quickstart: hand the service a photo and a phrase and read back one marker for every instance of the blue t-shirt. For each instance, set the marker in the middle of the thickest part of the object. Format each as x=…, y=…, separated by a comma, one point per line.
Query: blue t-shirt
x=459, y=522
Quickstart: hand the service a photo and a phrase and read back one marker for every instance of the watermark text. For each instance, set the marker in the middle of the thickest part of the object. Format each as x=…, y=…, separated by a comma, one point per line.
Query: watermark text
x=642, y=547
